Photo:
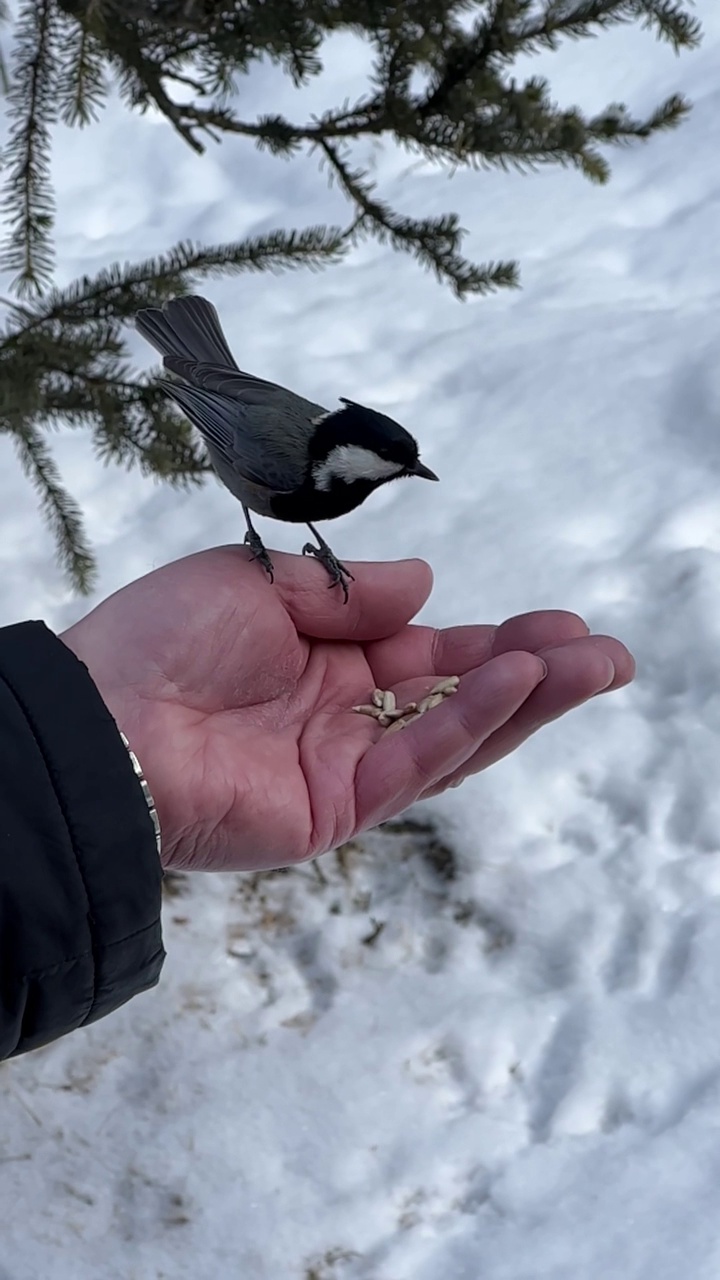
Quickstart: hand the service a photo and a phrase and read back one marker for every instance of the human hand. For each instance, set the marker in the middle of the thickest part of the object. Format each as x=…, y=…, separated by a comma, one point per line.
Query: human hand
x=236, y=696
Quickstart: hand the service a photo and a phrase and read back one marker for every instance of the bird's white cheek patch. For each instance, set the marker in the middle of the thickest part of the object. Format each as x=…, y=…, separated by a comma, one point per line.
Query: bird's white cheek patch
x=350, y=462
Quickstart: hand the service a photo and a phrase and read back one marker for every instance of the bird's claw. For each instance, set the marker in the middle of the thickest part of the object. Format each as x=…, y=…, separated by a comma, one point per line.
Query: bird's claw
x=258, y=552
x=339, y=573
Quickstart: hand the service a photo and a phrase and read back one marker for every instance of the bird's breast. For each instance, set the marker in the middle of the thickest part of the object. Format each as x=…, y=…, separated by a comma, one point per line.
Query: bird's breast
x=311, y=504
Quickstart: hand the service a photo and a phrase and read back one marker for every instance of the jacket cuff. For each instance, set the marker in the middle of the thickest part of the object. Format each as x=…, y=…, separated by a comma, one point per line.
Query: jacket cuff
x=80, y=881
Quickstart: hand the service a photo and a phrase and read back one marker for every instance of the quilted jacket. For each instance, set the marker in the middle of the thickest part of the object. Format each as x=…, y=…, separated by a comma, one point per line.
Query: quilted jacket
x=80, y=877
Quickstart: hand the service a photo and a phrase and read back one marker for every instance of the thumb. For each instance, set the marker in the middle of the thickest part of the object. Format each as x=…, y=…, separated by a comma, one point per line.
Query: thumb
x=384, y=597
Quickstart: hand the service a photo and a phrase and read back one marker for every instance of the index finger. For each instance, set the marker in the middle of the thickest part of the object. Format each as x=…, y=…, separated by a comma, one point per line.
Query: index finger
x=421, y=651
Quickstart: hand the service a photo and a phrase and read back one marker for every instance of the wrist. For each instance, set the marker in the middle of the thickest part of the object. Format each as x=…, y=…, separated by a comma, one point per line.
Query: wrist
x=79, y=639
x=116, y=701
x=152, y=808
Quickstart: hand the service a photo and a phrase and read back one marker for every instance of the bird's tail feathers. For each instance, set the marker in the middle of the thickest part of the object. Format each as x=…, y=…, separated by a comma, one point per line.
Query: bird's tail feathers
x=188, y=328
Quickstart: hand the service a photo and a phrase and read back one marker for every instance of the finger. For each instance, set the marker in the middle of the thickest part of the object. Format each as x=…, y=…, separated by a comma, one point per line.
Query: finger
x=621, y=658
x=399, y=769
x=381, y=600
x=536, y=630
x=423, y=651
x=576, y=672
x=455, y=650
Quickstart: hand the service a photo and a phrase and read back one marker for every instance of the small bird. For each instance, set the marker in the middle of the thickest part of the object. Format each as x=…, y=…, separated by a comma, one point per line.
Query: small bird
x=278, y=454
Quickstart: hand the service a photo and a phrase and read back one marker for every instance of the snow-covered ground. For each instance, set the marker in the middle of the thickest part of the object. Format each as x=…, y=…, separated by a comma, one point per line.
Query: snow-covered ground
x=489, y=1048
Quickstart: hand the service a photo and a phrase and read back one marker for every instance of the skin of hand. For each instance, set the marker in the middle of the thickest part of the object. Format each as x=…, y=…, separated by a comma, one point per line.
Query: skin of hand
x=236, y=696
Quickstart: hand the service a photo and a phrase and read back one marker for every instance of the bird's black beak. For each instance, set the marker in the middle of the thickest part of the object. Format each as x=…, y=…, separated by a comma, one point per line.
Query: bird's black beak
x=424, y=472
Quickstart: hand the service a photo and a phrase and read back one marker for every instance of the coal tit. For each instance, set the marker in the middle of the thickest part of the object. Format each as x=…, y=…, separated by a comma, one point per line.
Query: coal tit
x=279, y=454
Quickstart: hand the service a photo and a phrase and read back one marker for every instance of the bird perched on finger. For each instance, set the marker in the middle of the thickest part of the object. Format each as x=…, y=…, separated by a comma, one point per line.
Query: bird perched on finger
x=279, y=454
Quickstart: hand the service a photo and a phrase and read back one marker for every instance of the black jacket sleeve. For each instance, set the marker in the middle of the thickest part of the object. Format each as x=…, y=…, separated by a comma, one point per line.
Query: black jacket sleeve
x=80, y=877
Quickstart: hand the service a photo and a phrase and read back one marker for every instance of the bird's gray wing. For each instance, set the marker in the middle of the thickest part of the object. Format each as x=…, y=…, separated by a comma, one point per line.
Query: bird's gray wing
x=244, y=387
x=249, y=438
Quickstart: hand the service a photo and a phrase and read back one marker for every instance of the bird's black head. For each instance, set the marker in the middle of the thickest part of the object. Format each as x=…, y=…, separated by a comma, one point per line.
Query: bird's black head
x=355, y=445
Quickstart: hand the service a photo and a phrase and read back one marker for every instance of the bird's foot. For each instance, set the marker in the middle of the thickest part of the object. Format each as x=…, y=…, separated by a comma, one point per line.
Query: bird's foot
x=258, y=552
x=338, y=572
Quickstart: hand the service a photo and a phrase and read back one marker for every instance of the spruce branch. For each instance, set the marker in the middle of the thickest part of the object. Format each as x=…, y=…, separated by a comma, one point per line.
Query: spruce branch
x=62, y=514
x=117, y=292
x=4, y=76
x=82, y=86
x=435, y=242
x=472, y=113
x=467, y=54
x=27, y=201
x=142, y=80
x=669, y=19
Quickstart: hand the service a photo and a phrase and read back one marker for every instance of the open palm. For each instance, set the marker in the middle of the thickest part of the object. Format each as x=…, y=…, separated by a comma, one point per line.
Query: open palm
x=237, y=696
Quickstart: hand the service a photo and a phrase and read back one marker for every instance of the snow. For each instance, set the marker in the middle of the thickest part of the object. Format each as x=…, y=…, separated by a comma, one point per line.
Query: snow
x=488, y=1046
